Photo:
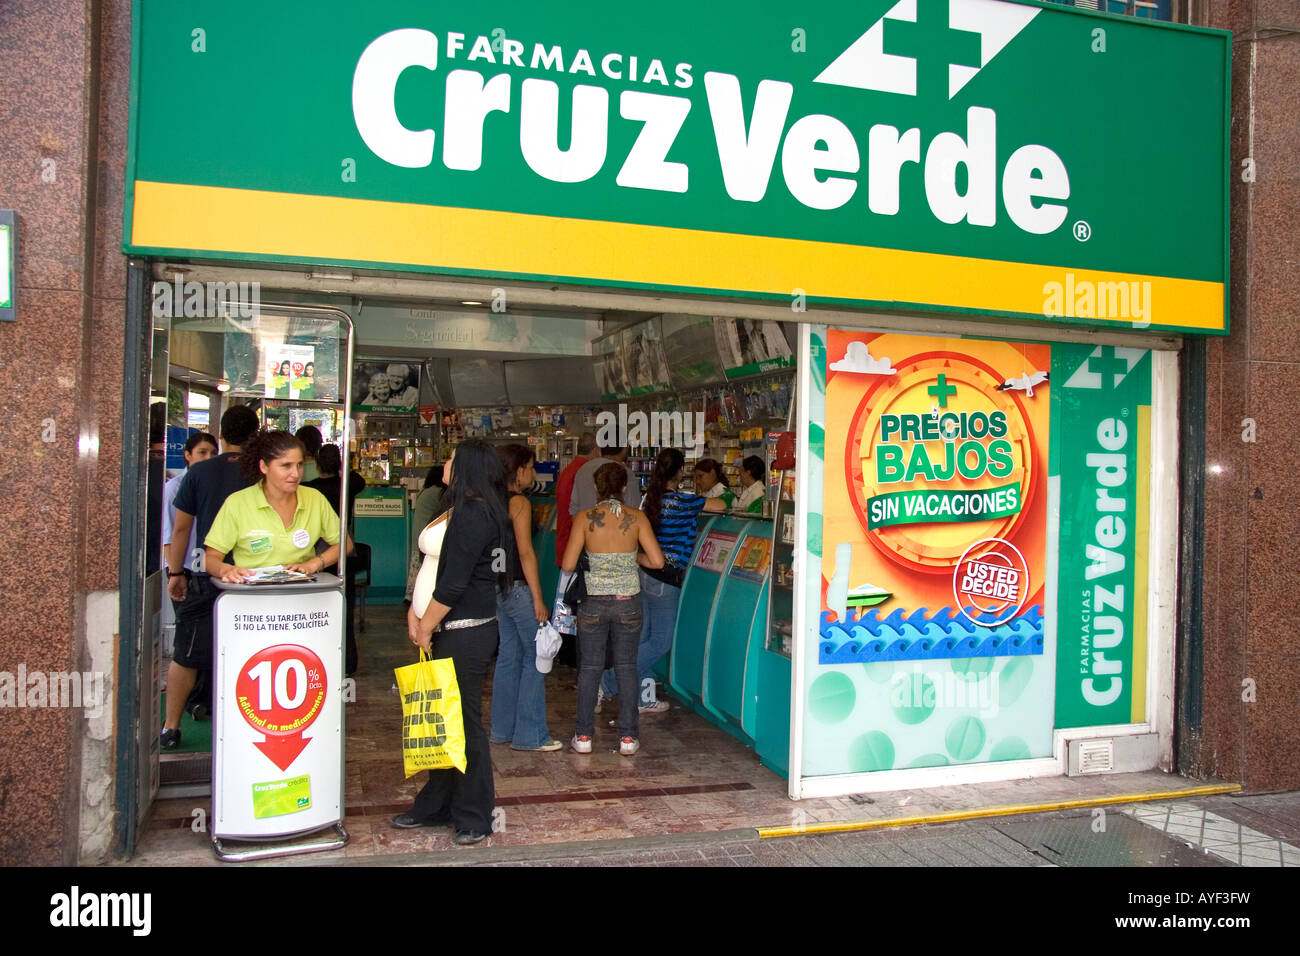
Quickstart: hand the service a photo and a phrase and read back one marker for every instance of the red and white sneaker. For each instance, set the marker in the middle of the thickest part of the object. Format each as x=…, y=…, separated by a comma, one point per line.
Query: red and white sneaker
x=628, y=746
x=580, y=745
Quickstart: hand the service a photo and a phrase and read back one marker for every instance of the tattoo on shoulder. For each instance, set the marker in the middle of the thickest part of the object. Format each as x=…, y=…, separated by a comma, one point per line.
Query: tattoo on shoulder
x=629, y=520
x=595, y=519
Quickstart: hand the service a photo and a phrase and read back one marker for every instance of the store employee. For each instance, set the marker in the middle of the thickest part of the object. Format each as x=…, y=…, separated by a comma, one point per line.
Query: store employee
x=752, y=473
x=274, y=522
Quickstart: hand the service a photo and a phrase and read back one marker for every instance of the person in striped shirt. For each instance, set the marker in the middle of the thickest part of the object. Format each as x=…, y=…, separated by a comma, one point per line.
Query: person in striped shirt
x=673, y=515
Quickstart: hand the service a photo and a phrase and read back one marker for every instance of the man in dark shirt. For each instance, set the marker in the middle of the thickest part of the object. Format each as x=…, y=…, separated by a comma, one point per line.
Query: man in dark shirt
x=202, y=492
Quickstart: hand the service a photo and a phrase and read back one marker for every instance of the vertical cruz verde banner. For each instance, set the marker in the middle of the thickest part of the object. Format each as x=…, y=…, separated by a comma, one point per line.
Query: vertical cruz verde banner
x=1102, y=415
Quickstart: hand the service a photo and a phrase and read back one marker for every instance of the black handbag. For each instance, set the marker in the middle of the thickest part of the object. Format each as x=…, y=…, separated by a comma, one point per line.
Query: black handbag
x=576, y=593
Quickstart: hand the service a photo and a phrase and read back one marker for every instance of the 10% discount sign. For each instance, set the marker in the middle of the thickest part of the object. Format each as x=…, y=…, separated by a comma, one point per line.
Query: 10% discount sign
x=280, y=691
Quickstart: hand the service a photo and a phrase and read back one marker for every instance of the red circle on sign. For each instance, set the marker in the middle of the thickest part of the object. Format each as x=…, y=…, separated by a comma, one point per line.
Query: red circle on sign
x=281, y=689
x=993, y=581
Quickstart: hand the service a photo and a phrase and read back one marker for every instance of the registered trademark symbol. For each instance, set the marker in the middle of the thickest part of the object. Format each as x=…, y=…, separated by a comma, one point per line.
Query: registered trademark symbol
x=1082, y=231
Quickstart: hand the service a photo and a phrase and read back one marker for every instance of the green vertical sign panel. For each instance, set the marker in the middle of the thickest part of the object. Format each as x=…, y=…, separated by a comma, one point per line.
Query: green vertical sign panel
x=1102, y=411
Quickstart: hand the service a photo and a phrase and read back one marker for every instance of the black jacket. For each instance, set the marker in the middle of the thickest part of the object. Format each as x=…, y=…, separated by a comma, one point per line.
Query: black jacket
x=466, y=581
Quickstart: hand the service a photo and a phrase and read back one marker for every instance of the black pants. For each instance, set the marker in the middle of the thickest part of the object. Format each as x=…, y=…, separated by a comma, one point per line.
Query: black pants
x=464, y=799
x=349, y=624
x=193, y=643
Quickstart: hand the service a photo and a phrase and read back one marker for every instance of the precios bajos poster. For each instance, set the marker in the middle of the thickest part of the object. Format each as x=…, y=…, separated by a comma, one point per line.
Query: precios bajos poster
x=935, y=498
x=979, y=517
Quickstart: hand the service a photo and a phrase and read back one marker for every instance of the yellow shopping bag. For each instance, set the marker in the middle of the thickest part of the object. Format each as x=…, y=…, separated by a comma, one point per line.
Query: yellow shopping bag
x=433, y=731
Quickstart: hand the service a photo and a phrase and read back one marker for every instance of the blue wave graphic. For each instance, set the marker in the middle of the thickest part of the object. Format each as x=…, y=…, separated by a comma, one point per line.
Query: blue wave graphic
x=866, y=637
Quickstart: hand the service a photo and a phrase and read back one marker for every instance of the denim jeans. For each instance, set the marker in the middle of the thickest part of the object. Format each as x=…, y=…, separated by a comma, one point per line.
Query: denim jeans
x=659, y=618
x=604, y=620
x=518, y=689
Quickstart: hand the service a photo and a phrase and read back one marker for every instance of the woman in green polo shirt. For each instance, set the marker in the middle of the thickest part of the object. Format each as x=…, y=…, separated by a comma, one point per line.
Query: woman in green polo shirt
x=274, y=522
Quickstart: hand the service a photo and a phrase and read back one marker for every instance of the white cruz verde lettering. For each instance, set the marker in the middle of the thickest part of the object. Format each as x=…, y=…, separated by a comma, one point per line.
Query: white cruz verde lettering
x=1110, y=532
x=820, y=156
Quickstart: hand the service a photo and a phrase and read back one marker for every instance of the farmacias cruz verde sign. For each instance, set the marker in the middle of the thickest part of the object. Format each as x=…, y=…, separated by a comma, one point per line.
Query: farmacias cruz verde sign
x=944, y=155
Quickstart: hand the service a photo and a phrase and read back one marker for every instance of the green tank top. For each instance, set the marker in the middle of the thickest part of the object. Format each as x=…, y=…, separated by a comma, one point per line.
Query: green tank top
x=613, y=573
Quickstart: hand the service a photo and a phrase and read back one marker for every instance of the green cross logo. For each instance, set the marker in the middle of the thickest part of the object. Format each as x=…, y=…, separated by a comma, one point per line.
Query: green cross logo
x=1108, y=364
x=942, y=45
x=962, y=35
x=1105, y=367
x=941, y=390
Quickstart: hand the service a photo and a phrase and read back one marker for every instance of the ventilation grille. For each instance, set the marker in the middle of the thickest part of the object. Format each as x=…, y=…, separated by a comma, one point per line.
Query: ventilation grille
x=182, y=769
x=1096, y=756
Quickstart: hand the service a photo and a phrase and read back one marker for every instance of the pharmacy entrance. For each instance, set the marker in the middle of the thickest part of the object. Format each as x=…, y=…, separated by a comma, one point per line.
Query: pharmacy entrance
x=931, y=321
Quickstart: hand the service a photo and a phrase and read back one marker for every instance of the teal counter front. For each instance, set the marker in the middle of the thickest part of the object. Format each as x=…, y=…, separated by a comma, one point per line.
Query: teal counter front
x=721, y=635
x=382, y=521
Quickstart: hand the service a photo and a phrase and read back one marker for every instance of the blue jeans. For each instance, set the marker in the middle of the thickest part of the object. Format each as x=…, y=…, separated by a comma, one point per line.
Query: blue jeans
x=658, y=620
x=604, y=621
x=518, y=688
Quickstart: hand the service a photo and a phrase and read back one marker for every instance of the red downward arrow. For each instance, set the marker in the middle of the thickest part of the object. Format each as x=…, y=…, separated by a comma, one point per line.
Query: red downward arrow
x=282, y=751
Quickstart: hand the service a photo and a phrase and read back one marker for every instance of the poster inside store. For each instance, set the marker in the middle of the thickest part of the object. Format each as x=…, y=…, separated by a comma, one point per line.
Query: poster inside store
x=276, y=356
x=938, y=495
x=751, y=346
x=290, y=371
x=385, y=385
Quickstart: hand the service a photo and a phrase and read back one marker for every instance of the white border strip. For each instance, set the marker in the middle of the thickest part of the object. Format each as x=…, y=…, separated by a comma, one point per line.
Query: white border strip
x=806, y=565
x=1051, y=588
x=1162, y=553
x=880, y=780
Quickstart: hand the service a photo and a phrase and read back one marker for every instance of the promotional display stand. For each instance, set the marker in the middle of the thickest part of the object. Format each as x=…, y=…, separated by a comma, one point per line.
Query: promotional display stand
x=277, y=744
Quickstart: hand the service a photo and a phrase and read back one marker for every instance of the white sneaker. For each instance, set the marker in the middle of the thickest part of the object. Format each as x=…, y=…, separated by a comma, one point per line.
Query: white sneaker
x=628, y=746
x=580, y=745
x=658, y=707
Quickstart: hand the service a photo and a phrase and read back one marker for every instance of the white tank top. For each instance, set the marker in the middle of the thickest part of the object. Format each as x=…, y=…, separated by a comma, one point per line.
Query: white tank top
x=431, y=547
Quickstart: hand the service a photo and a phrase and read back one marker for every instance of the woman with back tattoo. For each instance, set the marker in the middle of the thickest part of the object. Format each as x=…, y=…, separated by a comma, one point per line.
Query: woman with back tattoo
x=611, y=533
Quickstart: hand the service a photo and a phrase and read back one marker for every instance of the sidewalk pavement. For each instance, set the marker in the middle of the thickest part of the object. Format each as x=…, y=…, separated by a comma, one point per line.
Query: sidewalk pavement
x=1221, y=830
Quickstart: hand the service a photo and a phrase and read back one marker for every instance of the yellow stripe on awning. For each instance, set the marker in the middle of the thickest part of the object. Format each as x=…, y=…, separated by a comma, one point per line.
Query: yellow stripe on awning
x=210, y=219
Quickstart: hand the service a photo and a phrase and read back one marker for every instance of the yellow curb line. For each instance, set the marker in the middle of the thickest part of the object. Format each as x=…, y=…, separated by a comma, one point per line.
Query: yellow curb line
x=952, y=816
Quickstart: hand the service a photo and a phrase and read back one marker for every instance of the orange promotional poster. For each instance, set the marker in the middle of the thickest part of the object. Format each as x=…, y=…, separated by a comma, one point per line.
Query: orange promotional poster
x=935, y=507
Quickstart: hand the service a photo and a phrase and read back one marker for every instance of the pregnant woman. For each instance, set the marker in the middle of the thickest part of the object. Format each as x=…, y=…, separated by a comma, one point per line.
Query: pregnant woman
x=454, y=614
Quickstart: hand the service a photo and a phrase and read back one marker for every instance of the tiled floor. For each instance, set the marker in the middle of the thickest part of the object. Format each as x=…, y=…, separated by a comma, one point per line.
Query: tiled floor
x=1224, y=838
x=689, y=777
